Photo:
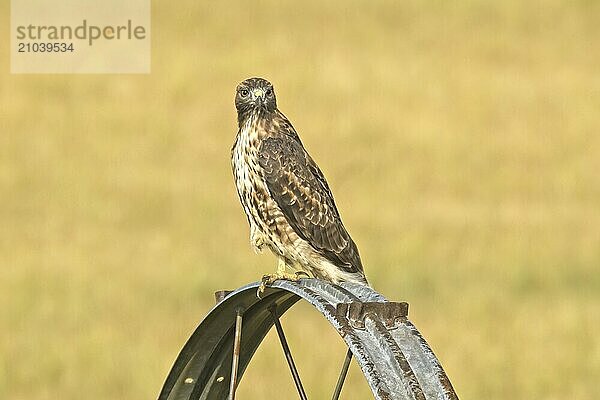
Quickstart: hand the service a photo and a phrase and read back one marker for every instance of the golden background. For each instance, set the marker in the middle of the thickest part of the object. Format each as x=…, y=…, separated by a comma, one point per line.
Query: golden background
x=462, y=143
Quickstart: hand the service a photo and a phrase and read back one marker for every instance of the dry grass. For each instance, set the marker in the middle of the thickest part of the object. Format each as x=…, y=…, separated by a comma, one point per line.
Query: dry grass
x=462, y=142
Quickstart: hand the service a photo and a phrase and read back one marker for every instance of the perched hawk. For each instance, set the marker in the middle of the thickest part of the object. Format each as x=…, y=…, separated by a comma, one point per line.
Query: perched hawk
x=285, y=196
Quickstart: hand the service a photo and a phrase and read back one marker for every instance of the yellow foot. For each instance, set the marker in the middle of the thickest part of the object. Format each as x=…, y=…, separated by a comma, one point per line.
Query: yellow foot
x=271, y=278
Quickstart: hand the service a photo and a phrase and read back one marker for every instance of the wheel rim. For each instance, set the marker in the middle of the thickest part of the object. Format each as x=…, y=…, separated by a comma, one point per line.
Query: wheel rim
x=395, y=359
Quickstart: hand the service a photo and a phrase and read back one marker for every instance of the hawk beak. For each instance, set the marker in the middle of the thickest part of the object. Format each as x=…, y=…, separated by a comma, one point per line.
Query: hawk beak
x=258, y=93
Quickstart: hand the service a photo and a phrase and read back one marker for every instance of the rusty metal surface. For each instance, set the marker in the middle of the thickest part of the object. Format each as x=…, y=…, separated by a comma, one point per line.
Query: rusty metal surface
x=394, y=357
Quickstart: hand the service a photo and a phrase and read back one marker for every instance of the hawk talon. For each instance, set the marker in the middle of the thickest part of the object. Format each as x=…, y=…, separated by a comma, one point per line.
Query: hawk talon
x=260, y=290
x=265, y=280
x=269, y=279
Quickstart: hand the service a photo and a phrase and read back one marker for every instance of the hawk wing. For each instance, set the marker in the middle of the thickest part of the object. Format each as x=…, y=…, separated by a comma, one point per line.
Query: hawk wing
x=299, y=188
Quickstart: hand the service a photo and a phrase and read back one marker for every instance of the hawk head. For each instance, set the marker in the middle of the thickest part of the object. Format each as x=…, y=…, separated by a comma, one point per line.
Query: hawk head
x=254, y=94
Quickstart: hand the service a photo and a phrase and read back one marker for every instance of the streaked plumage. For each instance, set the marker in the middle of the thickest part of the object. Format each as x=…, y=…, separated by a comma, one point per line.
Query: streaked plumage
x=284, y=194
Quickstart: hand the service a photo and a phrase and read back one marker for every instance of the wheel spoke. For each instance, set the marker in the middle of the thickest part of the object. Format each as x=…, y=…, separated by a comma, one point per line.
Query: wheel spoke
x=342, y=377
x=288, y=354
x=236, y=353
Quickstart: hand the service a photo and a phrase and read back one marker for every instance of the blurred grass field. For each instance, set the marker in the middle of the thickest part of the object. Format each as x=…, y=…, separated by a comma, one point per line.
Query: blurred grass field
x=462, y=142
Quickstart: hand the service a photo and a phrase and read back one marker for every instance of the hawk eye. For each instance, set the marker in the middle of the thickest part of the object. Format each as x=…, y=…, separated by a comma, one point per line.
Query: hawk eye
x=244, y=92
x=269, y=92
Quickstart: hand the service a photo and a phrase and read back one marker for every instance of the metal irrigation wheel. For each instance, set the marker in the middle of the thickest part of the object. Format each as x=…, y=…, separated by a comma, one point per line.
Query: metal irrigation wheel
x=395, y=359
